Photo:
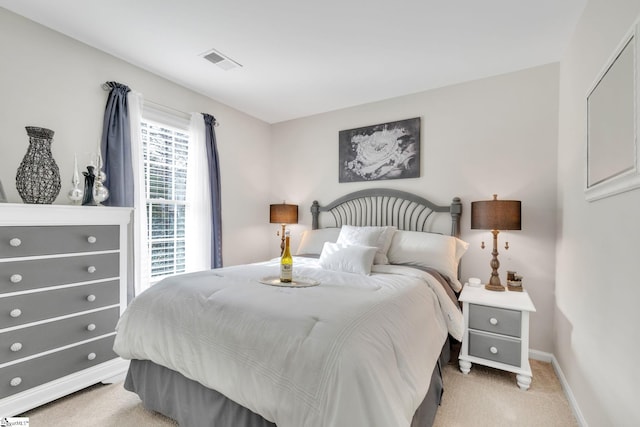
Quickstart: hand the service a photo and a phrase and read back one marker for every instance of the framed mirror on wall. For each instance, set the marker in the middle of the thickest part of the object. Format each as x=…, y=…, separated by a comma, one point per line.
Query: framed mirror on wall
x=613, y=159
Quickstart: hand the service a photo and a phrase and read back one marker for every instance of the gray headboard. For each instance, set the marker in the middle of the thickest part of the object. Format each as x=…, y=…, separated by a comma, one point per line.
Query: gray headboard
x=380, y=206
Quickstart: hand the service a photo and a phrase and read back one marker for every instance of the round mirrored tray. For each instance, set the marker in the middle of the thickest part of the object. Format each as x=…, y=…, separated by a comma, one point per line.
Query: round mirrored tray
x=298, y=282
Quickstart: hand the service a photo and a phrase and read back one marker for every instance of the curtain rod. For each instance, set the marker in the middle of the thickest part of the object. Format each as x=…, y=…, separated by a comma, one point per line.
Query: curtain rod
x=106, y=87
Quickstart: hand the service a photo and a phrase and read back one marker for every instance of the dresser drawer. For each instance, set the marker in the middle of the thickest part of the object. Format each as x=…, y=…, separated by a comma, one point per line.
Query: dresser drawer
x=21, y=309
x=37, y=339
x=34, y=372
x=18, y=276
x=496, y=320
x=491, y=347
x=49, y=240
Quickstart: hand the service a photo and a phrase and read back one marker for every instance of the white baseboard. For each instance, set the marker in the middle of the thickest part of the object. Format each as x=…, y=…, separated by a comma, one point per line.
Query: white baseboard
x=550, y=358
x=541, y=356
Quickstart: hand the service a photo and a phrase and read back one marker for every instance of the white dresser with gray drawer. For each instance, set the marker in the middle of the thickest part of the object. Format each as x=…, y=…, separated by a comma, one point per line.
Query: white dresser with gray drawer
x=63, y=273
x=496, y=331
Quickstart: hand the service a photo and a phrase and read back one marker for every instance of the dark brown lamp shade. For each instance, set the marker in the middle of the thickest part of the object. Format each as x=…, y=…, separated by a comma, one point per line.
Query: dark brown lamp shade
x=283, y=214
x=496, y=214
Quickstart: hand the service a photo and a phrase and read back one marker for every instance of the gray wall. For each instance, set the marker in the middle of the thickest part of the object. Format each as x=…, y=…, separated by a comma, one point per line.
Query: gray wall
x=53, y=81
x=496, y=135
x=597, y=290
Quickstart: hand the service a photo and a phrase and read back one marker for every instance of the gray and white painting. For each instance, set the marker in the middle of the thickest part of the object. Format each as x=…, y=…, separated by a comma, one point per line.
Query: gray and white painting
x=385, y=151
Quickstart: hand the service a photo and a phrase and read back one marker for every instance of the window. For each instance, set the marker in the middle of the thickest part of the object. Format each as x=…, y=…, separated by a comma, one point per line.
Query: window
x=165, y=156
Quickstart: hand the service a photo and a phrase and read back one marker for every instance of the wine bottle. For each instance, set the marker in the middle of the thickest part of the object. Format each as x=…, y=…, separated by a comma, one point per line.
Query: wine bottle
x=286, y=262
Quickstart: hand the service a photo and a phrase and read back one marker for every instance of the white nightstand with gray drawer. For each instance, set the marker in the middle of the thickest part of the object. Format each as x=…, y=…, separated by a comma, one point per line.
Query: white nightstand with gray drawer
x=63, y=275
x=496, y=331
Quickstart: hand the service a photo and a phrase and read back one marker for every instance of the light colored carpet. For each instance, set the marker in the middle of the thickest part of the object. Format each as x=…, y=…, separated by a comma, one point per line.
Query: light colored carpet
x=488, y=397
x=484, y=397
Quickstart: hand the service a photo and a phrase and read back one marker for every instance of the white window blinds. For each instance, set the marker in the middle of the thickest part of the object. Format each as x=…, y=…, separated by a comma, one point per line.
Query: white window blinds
x=166, y=150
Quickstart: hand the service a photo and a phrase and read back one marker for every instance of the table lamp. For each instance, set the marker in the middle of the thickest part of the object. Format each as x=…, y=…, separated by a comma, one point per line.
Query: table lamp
x=495, y=215
x=283, y=214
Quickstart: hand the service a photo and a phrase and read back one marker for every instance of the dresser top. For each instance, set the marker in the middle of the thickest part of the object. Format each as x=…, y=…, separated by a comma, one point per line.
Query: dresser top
x=507, y=299
x=33, y=214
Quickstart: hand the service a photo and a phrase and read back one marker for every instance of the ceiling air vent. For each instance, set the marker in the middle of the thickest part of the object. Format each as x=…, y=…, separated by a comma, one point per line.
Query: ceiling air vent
x=220, y=60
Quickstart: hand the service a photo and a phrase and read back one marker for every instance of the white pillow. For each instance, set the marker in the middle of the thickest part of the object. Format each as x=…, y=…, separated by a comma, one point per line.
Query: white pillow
x=312, y=240
x=380, y=237
x=383, y=244
x=347, y=258
x=430, y=250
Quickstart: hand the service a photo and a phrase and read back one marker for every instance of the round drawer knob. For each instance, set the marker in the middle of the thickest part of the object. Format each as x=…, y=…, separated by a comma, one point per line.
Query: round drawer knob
x=92, y=239
x=493, y=321
x=16, y=278
x=91, y=298
x=91, y=356
x=16, y=346
x=15, y=382
x=91, y=269
x=493, y=350
x=16, y=312
x=15, y=242
x=91, y=327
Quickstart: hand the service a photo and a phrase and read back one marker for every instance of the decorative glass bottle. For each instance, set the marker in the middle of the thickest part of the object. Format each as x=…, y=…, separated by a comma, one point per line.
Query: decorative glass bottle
x=38, y=177
x=75, y=194
x=100, y=192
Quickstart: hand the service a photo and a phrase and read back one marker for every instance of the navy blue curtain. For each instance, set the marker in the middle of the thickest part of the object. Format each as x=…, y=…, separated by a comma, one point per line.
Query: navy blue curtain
x=214, y=179
x=116, y=147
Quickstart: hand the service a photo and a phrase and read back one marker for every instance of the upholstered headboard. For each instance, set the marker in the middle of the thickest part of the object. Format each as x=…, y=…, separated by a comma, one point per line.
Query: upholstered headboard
x=380, y=206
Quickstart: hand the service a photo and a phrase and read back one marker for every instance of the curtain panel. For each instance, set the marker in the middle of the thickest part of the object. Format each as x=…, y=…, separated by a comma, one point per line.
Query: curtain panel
x=214, y=184
x=121, y=150
x=141, y=248
x=198, y=212
x=115, y=147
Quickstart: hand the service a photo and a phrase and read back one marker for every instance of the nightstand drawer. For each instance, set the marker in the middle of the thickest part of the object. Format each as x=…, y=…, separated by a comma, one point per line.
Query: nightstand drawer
x=499, y=349
x=26, y=308
x=49, y=240
x=23, y=275
x=496, y=320
x=32, y=340
x=34, y=372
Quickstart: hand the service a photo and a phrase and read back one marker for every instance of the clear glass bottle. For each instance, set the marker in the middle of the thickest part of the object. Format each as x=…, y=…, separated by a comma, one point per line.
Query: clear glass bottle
x=286, y=262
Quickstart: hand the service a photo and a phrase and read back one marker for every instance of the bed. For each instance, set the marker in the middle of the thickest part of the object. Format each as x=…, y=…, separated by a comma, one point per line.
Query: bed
x=361, y=348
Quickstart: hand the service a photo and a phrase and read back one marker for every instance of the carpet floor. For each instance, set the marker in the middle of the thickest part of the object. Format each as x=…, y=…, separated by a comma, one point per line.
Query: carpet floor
x=488, y=397
x=485, y=397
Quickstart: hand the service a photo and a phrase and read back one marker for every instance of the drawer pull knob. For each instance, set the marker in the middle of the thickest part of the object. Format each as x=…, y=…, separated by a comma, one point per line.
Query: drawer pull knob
x=91, y=269
x=16, y=312
x=493, y=350
x=15, y=242
x=16, y=278
x=16, y=346
x=91, y=356
x=92, y=239
x=15, y=382
x=91, y=298
x=493, y=321
x=91, y=327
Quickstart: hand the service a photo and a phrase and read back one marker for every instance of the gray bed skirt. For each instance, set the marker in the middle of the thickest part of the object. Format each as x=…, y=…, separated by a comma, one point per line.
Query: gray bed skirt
x=192, y=404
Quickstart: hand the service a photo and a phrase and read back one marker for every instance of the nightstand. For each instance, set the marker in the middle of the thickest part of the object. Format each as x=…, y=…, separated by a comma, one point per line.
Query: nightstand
x=496, y=331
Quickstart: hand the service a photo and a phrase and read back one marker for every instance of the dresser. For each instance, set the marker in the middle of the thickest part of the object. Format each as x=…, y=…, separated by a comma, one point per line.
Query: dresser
x=63, y=274
x=496, y=331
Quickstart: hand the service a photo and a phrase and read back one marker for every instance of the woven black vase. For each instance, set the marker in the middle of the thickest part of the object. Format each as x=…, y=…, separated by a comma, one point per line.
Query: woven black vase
x=38, y=177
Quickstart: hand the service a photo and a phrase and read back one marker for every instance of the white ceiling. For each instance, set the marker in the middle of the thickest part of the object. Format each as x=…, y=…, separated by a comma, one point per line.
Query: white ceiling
x=301, y=58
